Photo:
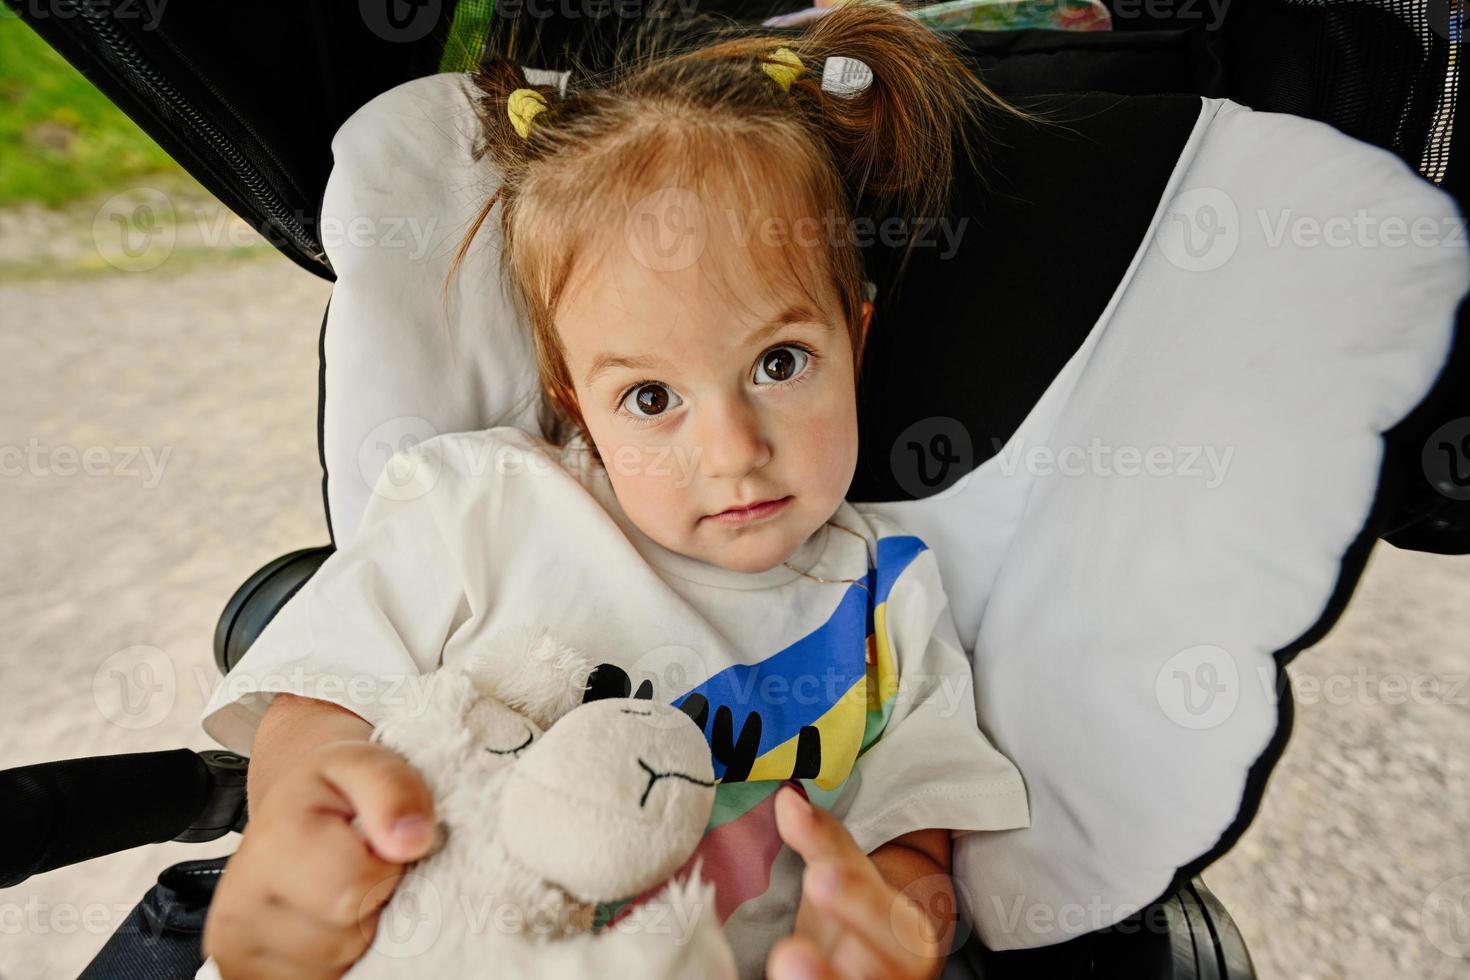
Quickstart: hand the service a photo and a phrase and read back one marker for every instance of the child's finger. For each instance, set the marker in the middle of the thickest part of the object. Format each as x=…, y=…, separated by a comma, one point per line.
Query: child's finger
x=893, y=928
x=392, y=804
x=334, y=877
x=301, y=941
x=853, y=957
x=798, y=958
x=813, y=832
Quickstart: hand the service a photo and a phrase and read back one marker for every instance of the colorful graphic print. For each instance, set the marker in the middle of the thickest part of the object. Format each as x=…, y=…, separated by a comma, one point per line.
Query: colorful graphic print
x=805, y=713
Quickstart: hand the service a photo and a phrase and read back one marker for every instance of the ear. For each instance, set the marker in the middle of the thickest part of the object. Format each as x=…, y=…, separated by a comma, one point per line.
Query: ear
x=533, y=672
x=427, y=723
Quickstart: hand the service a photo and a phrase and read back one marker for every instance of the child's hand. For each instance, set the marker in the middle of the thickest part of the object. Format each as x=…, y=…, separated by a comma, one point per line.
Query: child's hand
x=302, y=895
x=851, y=923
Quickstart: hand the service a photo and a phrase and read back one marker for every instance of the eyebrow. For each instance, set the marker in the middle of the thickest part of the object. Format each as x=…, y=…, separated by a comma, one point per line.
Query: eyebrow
x=792, y=315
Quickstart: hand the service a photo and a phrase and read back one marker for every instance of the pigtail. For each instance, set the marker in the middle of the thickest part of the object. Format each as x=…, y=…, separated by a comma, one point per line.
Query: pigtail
x=900, y=142
x=924, y=119
x=924, y=115
x=513, y=157
x=494, y=81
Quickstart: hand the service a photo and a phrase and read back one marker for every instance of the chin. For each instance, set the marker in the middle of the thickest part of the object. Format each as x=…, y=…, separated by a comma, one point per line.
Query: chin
x=752, y=567
x=762, y=557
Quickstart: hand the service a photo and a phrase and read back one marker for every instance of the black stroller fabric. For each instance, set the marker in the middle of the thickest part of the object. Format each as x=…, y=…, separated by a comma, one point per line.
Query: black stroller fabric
x=160, y=938
x=1041, y=181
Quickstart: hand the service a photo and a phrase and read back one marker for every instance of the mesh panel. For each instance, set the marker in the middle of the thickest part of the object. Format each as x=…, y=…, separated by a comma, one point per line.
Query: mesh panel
x=1384, y=71
x=1436, y=157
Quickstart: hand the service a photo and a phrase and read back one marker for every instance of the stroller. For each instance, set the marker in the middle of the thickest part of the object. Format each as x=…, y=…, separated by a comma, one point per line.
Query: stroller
x=1174, y=322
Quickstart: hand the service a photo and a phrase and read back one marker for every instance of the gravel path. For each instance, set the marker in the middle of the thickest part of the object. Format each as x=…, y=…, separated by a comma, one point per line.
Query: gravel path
x=1358, y=864
x=215, y=374
x=1350, y=871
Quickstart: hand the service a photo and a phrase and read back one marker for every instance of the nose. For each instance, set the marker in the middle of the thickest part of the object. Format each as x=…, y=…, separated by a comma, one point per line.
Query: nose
x=732, y=443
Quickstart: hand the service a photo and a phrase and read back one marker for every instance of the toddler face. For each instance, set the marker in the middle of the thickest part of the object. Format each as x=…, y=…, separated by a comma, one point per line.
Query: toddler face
x=714, y=387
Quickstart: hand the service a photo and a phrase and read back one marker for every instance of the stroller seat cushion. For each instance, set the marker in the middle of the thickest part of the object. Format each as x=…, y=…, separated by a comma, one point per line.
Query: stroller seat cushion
x=402, y=360
x=1189, y=499
x=1189, y=502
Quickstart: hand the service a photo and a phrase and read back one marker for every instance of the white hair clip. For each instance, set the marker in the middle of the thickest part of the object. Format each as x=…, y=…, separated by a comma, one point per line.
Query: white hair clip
x=846, y=77
x=545, y=76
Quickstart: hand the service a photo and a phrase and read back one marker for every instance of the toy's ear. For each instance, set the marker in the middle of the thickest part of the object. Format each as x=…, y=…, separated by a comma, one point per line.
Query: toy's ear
x=531, y=671
x=429, y=716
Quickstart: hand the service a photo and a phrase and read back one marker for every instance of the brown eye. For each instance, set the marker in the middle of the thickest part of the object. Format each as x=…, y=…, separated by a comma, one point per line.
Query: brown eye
x=649, y=400
x=781, y=364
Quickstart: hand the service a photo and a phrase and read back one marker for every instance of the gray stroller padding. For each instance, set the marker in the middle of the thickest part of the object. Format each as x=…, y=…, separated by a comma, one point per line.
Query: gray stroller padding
x=1186, y=499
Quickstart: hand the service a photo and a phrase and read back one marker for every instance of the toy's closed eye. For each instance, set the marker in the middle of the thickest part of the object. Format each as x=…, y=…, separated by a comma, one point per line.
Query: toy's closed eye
x=530, y=737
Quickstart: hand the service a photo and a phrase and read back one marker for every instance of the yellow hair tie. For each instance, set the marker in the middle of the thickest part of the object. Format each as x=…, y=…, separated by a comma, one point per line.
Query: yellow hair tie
x=524, y=105
x=787, y=71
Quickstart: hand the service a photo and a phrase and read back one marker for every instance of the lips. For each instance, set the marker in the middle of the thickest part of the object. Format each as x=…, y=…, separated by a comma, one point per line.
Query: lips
x=757, y=511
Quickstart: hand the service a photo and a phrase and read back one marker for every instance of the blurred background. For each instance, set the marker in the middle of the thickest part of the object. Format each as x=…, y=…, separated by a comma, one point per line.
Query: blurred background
x=158, y=420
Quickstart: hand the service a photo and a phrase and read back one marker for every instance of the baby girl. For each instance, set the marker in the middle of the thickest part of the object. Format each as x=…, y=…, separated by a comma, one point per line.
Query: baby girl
x=673, y=237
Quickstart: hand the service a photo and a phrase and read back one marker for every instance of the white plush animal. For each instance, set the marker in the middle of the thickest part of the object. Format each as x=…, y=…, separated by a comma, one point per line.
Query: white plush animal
x=547, y=806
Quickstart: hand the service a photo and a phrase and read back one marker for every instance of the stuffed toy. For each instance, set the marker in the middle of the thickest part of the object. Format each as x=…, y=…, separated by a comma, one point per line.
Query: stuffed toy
x=545, y=808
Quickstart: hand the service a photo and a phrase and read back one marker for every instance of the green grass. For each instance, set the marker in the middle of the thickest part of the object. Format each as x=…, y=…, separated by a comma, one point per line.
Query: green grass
x=60, y=139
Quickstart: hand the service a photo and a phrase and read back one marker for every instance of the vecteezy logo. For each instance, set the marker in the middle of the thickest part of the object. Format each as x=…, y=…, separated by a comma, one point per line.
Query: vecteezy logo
x=389, y=468
x=134, y=230
x=667, y=231
x=1447, y=19
x=411, y=920
x=1446, y=459
x=403, y=21
x=135, y=688
x=671, y=667
x=1199, y=687
x=1200, y=230
x=1446, y=917
x=931, y=455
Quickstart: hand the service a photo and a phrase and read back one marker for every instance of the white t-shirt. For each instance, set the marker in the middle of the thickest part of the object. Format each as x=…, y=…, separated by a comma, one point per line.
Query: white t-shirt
x=862, y=694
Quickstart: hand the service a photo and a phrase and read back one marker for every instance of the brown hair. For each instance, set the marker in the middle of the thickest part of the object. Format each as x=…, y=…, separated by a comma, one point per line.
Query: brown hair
x=697, y=112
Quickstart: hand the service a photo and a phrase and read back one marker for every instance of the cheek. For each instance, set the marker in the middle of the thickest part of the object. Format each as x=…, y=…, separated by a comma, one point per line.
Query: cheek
x=639, y=478
x=826, y=433
x=838, y=419
x=646, y=473
x=827, y=454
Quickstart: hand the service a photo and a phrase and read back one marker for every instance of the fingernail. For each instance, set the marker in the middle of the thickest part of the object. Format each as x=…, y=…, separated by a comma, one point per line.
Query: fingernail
x=803, y=804
x=411, y=829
